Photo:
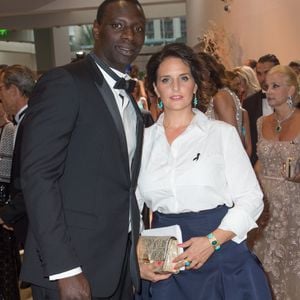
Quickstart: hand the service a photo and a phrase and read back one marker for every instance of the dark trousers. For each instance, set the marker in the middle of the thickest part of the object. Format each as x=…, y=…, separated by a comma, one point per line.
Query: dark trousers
x=124, y=290
x=9, y=266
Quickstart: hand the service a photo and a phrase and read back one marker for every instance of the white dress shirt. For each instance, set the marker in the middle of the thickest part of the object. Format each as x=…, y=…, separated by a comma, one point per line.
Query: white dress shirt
x=129, y=120
x=18, y=118
x=126, y=110
x=204, y=167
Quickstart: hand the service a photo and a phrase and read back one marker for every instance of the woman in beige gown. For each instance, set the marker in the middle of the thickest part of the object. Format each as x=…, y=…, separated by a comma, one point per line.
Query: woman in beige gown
x=277, y=242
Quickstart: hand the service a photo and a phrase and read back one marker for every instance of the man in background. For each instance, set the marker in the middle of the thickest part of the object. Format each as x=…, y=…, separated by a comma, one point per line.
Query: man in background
x=257, y=104
x=17, y=83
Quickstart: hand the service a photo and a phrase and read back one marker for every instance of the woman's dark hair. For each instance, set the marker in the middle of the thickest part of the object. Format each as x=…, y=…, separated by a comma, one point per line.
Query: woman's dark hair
x=178, y=50
x=216, y=78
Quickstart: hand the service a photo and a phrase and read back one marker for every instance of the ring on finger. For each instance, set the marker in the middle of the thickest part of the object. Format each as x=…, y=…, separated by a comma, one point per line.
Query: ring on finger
x=187, y=262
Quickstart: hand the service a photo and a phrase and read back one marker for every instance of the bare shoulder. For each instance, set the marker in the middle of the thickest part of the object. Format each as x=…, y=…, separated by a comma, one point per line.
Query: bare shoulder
x=223, y=97
x=267, y=121
x=223, y=93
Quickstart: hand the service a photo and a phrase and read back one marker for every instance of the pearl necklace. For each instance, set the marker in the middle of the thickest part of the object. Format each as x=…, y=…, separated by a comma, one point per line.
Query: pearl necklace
x=278, y=126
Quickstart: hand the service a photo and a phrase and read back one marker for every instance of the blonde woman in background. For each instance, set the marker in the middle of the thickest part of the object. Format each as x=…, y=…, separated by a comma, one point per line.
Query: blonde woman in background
x=248, y=83
x=277, y=243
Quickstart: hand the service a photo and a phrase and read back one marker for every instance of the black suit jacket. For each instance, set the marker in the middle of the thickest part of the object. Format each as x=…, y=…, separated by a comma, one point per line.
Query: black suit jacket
x=76, y=180
x=253, y=105
x=14, y=213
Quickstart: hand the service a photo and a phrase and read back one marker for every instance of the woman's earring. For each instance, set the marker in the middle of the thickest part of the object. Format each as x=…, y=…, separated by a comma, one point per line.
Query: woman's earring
x=289, y=102
x=160, y=104
x=195, y=101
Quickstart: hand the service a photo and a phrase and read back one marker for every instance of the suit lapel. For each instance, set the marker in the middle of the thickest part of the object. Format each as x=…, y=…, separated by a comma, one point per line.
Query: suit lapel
x=135, y=166
x=108, y=97
x=260, y=104
x=111, y=104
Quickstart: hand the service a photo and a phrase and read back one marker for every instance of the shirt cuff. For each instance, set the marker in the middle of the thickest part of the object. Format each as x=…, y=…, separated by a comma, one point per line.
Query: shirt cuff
x=239, y=222
x=66, y=274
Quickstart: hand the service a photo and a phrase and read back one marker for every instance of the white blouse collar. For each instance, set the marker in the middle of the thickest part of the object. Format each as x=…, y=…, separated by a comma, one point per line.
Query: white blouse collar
x=199, y=120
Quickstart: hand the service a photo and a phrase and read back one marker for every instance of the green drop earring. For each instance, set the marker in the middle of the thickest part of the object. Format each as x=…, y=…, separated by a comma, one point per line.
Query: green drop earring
x=195, y=101
x=160, y=104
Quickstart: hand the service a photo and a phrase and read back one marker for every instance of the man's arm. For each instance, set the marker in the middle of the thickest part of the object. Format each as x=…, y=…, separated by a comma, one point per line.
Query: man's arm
x=46, y=133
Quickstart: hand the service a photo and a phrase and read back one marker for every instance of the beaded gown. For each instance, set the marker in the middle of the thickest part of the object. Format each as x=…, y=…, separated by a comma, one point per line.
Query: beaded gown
x=277, y=241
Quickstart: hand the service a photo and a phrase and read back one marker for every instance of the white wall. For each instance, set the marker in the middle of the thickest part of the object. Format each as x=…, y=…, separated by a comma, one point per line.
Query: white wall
x=253, y=28
x=18, y=53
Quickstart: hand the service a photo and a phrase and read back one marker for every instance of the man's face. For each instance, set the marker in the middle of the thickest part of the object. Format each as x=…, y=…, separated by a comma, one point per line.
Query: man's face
x=120, y=36
x=262, y=70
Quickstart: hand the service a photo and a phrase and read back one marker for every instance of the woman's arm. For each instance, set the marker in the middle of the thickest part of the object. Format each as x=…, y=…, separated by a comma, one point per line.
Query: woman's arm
x=246, y=125
x=243, y=188
x=257, y=167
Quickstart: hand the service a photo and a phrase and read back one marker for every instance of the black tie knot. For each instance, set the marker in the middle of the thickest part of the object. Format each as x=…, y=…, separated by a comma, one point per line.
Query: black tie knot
x=127, y=85
x=121, y=83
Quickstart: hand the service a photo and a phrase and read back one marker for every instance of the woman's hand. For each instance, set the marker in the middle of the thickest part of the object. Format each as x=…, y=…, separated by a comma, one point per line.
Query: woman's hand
x=295, y=178
x=199, y=249
x=148, y=272
x=197, y=253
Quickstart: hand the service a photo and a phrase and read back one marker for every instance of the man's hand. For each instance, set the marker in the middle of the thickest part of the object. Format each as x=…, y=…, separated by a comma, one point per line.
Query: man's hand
x=74, y=288
x=5, y=226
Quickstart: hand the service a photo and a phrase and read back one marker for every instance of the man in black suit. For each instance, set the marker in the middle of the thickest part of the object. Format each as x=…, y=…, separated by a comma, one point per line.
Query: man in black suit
x=257, y=104
x=80, y=158
x=18, y=83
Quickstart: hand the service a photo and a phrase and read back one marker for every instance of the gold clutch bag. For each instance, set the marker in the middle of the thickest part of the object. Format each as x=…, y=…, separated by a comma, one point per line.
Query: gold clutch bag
x=159, y=248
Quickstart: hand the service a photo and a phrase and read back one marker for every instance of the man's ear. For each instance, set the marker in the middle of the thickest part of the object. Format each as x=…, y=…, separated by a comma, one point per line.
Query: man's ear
x=14, y=91
x=96, y=30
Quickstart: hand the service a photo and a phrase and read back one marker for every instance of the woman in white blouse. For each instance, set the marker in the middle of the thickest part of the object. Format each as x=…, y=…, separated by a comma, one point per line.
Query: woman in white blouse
x=195, y=173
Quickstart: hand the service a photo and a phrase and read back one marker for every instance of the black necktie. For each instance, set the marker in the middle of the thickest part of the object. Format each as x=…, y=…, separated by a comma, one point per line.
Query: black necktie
x=121, y=83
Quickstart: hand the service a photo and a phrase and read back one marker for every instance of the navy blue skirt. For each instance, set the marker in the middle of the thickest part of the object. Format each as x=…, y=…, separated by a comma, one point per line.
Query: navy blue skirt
x=232, y=273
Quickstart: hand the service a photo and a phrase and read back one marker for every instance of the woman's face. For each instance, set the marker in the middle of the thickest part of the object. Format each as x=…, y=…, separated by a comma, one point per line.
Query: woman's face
x=239, y=86
x=243, y=86
x=175, y=84
x=235, y=84
x=278, y=90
